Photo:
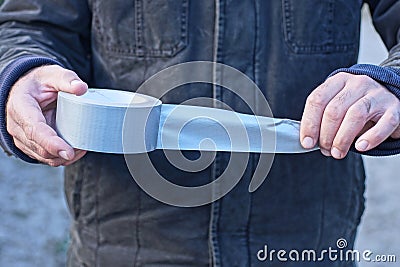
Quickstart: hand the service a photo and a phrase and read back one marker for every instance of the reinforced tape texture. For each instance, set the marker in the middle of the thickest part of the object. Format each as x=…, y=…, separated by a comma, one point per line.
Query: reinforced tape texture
x=121, y=122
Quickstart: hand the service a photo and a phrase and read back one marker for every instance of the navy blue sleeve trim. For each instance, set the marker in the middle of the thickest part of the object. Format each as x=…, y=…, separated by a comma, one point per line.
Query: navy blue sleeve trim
x=8, y=77
x=390, y=78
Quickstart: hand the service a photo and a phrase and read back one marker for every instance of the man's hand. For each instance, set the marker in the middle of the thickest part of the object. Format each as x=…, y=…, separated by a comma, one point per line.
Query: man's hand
x=346, y=107
x=31, y=114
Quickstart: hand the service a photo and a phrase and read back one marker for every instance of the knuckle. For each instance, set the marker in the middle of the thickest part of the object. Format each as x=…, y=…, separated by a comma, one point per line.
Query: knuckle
x=32, y=146
x=311, y=129
x=38, y=72
x=43, y=152
x=325, y=146
x=369, y=102
x=393, y=120
x=371, y=86
x=316, y=99
x=53, y=163
x=325, y=143
x=363, y=81
x=341, y=97
x=343, y=141
x=29, y=131
x=358, y=115
x=48, y=69
x=68, y=74
x=359, y=112
x=379, y=136
x=39, y=150
x=339, y=75
x=333, y=112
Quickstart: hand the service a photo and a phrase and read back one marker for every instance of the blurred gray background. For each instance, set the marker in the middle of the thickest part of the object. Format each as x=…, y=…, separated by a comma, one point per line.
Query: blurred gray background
x=34, y=220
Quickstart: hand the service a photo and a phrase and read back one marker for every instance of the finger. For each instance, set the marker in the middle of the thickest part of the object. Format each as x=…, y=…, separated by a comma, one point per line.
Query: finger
x=18, y=134
x=78, y=155
x=353, y=123
x=61, y=79
x=32, y=152
x=47, y=139
x=33, y=124
x=54, y=162
x=41, y=139
x=335, y=113
x=314, y=109
x=385, y=127
x=29, y=111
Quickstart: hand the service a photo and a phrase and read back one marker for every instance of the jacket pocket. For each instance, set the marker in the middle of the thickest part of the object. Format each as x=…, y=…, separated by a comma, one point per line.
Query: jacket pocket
x=141, y=28
x=321, y=26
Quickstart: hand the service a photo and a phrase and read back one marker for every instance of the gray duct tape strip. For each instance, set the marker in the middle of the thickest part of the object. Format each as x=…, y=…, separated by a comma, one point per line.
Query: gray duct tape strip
x=111, y=121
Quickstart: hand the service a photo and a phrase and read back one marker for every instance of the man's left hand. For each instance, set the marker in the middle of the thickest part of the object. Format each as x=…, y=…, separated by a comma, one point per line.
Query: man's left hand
x=347, y=107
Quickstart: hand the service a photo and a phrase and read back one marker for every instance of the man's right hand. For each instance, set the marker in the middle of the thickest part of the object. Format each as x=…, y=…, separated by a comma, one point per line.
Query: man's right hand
x=31, y=110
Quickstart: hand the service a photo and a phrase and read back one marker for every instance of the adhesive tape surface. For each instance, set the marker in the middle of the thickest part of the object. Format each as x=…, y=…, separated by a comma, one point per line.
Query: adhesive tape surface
x=113, y=121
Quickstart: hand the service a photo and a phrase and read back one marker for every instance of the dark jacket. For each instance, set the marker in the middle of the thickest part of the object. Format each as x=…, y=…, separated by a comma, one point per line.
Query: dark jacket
x=287, y=47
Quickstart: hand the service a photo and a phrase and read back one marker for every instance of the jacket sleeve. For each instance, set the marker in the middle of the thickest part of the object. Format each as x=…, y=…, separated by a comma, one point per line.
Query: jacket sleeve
x=386, y=19
x=40, y=32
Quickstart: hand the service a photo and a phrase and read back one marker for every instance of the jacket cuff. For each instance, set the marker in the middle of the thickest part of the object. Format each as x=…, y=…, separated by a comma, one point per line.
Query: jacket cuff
x=8, y=76
x=390, y=78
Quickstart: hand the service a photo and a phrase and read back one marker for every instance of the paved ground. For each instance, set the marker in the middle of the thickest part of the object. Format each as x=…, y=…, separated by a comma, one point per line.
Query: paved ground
x=34, y=220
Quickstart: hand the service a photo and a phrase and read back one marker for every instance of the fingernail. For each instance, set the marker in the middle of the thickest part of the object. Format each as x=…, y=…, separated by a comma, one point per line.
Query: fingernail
x=308, y=142
x=362, y=145
x=73, y=82
x=336, y=153
x=325, y=152
x=64, y=154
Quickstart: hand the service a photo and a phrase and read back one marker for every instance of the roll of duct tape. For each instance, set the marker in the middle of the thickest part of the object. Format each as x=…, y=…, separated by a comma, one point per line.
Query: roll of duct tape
x=113, y=121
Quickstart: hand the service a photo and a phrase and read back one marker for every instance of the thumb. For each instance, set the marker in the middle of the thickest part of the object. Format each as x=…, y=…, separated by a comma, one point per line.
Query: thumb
x=62, y=79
